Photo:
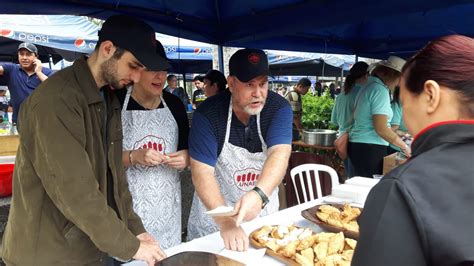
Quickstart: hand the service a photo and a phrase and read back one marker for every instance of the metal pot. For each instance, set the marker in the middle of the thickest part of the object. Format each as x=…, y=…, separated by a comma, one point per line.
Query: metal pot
x=319, y=137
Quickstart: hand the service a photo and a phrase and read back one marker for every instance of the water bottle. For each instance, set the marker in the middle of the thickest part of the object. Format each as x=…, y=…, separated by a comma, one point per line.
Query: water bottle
x=5, y=116
x=5, y=126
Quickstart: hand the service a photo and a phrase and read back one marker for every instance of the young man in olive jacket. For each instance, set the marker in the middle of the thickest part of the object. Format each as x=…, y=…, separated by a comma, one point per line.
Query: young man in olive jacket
x=71, y=204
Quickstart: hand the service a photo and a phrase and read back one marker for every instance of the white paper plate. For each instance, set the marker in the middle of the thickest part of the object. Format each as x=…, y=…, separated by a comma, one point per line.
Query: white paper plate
x=336, y=200
x=222, y=211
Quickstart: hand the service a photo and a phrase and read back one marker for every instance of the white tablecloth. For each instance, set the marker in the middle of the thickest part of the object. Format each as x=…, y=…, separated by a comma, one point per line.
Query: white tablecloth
x=213, y=243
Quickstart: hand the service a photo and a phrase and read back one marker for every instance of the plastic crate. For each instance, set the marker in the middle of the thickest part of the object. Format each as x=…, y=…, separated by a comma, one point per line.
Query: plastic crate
x=6, y=174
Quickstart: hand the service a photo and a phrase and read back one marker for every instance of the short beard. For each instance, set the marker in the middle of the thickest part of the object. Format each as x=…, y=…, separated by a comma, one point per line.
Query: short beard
x=254, y=111
x=108, y=73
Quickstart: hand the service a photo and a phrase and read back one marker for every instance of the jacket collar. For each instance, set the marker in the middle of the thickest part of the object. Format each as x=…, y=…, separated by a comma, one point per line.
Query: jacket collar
x=457, y=131
x=86, y=81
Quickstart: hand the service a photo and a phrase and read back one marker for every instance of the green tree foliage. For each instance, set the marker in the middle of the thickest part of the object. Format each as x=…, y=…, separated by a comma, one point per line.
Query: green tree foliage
x=317, y=111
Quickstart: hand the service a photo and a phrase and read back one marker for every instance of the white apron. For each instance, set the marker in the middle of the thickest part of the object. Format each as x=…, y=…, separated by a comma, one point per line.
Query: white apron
x=156, y=191
x=237, y=171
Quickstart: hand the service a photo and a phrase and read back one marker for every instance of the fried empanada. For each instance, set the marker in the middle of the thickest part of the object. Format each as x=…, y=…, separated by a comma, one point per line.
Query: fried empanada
x=347, y=254
x=307, y=242
x=306, y=233
x=308, y=253
x=291, y=227
x=350, y=242
x=279, y=232
x=334, y=219
x=334, y=258
x=351, y=226
x=336, y=244
x=263, y=233
x=324, y=237
x=328, y=209
x=273, y=245
x=343, y=263
x=321, y=250
x=303, y=260
x=289, y=250
x=322, y=216
x=350, y=213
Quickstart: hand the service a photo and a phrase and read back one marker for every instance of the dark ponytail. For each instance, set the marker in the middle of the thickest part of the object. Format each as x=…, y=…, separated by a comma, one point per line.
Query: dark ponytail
x=357, y=71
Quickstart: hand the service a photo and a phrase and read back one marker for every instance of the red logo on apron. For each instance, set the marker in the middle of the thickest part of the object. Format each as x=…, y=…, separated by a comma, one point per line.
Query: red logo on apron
x=246, y=179
x=151, y=142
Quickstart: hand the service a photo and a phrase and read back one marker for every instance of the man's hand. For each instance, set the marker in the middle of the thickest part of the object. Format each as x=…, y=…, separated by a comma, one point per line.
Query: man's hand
x=38, y=66
x=178, y=160
x=248, y=207
x=234, y=236
x=150, y=252
x=146, y=237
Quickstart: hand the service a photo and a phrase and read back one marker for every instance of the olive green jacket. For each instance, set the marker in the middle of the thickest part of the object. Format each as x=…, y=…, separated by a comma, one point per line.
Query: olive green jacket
x=59, y=213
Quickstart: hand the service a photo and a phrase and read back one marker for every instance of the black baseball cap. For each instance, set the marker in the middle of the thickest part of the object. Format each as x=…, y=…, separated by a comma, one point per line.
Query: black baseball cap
x=247, y=64
x=138, y=38
x=28, y=46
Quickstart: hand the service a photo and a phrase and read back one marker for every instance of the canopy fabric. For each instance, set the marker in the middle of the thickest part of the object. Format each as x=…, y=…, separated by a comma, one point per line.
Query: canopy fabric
x=78, y=36
x=311, y=67
x=369, y=28
x=66, y=36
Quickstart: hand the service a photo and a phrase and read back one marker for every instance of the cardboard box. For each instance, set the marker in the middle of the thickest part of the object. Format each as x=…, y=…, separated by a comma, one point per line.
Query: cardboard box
x=392, y=161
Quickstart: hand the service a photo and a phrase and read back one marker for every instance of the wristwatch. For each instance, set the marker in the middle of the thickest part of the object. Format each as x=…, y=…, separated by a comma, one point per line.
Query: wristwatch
x=262, y=195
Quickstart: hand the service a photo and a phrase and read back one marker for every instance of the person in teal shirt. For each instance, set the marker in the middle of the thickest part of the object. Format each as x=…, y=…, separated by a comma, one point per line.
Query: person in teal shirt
x=397, y=120
x=343, y=110
x=371, y=133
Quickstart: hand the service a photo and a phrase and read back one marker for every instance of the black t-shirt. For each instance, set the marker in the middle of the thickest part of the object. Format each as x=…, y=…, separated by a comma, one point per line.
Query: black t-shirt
x=198, y=97
x=177, y=110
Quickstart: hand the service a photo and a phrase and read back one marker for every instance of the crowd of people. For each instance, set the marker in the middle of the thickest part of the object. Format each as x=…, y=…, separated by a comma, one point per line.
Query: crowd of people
x=102, y=142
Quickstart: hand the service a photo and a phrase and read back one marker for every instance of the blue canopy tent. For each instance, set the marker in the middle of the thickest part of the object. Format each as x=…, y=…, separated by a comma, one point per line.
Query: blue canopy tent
x=369, y=28
x=68, y=37
x=306, y=64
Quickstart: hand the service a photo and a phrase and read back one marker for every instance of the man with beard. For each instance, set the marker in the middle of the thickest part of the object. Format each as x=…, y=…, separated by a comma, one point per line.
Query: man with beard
x=23, y=78
x=71, y=204
x=239, y=145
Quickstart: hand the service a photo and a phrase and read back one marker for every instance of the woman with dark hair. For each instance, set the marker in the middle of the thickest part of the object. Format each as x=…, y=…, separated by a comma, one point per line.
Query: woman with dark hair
x=397, y=121
x=421, y=213
x=214, y=82
x=371, y=133
x=343, y=110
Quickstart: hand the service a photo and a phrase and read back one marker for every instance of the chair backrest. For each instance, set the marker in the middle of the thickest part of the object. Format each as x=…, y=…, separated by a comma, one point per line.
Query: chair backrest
x=306, y=177
x=298, y=158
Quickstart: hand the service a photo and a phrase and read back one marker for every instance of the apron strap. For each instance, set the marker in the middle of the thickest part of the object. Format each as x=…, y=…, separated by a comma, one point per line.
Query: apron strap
x=264, y=145
x=128, y=95
x=229, y=121
x=127, y=98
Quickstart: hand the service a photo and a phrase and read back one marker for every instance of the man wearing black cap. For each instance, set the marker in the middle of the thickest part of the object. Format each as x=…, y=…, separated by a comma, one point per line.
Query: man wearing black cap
x=24, y=77
x=71, y=203
x=239, y=145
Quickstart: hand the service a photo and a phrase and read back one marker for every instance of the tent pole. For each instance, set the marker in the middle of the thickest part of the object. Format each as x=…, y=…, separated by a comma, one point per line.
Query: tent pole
x=220, y=55
x=357, y=58
x=342, y=77
x=50, y=61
